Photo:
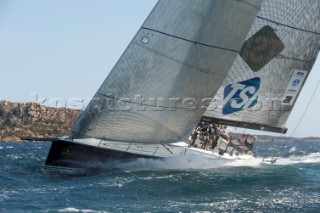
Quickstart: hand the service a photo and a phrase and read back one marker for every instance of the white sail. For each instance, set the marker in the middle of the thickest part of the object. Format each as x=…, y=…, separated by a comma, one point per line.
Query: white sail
x=181, y=54
x=274, y=63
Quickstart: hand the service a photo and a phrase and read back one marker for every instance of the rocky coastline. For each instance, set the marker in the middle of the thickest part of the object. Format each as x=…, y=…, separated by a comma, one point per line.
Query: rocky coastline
x=19, y=120
x=33, y=120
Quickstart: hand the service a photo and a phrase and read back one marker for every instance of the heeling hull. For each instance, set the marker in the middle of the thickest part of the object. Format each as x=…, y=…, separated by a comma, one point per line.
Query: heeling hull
x=71, y=157
x=89, y=155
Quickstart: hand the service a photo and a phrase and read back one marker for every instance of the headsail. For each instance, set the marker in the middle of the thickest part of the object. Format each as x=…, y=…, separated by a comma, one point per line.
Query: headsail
x=268, y=75
x=179, y=57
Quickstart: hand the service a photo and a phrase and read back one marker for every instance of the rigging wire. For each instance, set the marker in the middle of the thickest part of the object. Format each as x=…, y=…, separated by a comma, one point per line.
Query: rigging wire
x=305, y=111
x=301, y=118
x=30, y=149
x=221, y=48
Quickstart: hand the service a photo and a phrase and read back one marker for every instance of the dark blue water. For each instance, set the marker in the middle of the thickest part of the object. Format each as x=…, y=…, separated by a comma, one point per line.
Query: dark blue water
x=290, y=185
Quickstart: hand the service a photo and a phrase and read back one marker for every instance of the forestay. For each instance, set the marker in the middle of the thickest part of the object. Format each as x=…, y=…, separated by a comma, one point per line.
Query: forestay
x=270, y=71
x=179, y=57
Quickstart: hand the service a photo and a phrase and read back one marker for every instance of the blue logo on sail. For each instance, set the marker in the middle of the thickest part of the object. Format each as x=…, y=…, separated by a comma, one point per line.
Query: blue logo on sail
x=241, y=96
x=295, y=83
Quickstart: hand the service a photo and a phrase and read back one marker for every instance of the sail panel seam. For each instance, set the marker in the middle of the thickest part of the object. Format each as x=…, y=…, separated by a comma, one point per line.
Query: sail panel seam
x=289, y=26
x=191, y=41
x=227, y=49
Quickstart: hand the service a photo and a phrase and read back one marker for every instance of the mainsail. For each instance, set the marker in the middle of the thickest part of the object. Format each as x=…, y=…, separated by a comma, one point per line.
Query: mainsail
x=272, y=67
x=179, y=57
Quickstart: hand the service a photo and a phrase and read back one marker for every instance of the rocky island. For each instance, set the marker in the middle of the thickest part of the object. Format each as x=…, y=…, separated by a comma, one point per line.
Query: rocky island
x=18, y=120
x=25, y=120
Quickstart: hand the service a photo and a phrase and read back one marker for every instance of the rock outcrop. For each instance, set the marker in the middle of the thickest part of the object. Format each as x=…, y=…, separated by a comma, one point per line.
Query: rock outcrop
x=19, y=120
x=34, y=120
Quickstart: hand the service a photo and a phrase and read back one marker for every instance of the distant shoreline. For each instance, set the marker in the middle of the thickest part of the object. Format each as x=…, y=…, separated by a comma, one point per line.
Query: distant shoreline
x=33, y=120
x=25, y=120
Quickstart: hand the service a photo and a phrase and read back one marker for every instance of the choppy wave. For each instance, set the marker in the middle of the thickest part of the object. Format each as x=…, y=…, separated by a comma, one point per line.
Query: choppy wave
x=292, y=184
x=180, y=163
x=305, y=159
x=71, y=209
x=293, y=149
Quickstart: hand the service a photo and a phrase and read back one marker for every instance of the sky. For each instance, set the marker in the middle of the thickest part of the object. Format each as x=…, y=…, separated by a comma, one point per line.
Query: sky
x=57, y=51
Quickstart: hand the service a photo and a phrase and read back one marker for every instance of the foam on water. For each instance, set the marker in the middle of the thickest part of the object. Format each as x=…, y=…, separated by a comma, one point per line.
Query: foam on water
x=305, y=159
x=71, y=209
x=170, y=185
x=13, y=156
x=293, y=149
x=180, y=163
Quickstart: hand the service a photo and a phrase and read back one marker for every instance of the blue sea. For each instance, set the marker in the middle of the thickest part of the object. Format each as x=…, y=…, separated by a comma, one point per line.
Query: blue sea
x=292, y=184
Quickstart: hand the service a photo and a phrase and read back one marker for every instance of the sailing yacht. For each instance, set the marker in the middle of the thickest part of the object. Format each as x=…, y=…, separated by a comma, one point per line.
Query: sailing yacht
x=229, y=62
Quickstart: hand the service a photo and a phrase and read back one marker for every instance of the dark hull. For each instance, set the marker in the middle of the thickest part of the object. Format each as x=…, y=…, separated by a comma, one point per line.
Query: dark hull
x=70, y=157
